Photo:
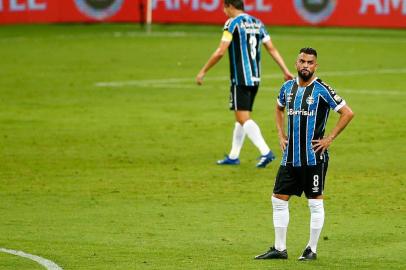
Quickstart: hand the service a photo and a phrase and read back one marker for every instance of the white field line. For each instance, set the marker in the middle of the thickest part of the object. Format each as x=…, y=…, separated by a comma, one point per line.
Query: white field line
x=174, y=82
x=152, y=82
x=44, y=262
x=183, y=34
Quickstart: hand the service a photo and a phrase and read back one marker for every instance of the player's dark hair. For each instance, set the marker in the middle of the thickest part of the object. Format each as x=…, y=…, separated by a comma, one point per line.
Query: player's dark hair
x=308, y=50
x=238, y=4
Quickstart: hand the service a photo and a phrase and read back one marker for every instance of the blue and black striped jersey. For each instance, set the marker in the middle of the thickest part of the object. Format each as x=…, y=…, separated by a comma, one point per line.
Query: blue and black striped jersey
x=248, y=33
x=307, y=112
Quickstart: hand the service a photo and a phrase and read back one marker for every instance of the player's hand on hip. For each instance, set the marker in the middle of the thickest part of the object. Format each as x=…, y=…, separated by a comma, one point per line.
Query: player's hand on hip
x=322, y=144
x=283, y=142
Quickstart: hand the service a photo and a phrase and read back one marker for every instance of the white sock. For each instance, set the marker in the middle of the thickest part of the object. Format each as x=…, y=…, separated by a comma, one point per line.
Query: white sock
x=280, y=222
x=316, y=222
x=254, y=133
x=238, y=141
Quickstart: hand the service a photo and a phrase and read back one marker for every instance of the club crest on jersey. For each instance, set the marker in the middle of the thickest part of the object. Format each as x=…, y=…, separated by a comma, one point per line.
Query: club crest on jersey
x=315, y=11
x=99, y=9
x=310, y=100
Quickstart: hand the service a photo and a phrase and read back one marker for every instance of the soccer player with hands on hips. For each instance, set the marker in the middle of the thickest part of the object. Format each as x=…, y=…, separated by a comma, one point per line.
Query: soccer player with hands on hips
x=307, y=101
x=242, y=37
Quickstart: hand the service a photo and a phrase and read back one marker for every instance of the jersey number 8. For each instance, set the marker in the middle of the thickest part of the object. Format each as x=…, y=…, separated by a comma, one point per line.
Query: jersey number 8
x=316, y=180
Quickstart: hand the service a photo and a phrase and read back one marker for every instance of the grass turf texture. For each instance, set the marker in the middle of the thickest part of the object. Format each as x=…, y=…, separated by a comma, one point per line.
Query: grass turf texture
x=125, y=177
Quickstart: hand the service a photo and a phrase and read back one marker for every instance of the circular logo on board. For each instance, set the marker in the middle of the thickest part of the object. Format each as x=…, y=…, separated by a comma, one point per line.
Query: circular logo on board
x=315, y=11
x=99, y=9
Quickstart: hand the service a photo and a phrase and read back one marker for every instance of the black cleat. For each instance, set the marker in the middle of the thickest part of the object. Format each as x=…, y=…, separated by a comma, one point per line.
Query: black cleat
x=308, y=255
x=273, y=253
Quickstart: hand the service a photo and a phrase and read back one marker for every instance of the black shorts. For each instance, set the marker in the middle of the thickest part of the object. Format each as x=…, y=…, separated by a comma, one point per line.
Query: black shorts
x=242, y=97
x=294, y=180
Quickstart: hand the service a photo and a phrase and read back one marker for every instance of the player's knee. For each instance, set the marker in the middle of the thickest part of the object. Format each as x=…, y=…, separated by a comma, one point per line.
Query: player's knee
x=279, y=204
x=317, y=214
x=241, y=121
x=242, y=117
x=316, y=206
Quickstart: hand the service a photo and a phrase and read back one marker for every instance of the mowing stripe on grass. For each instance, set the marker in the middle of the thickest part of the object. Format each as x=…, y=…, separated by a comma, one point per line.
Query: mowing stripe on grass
x=184, y=34
x=173, y=81
x=44, y=262
x=374, y=92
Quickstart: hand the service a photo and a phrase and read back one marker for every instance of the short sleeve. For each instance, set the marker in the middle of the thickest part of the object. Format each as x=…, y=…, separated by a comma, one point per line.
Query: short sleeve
x=227, y=25
x=264, y=35
x=331, y=97
x=227, y=34
x=282, y=97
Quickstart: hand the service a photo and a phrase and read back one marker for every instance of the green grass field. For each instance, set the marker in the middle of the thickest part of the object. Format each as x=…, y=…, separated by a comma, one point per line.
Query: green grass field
x=108, y=150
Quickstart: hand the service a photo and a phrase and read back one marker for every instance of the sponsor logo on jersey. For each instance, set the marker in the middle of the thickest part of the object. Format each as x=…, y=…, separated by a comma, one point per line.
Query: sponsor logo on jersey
x=315, y=11
x=250, y=24
x=251, y=27
x=99, y=9
x=300, y=112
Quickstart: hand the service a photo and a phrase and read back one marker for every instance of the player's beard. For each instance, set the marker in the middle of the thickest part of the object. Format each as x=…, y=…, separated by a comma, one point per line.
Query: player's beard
x=305, y=77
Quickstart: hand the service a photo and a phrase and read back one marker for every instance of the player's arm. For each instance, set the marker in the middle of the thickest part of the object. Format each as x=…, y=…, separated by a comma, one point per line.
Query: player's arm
x=280, y=126
x=271, y=49
x=346, y=115
x=214, y=58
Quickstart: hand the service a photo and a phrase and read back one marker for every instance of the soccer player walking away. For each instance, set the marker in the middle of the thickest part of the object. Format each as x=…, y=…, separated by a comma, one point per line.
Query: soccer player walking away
x=242, y=36
x=307, y=100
